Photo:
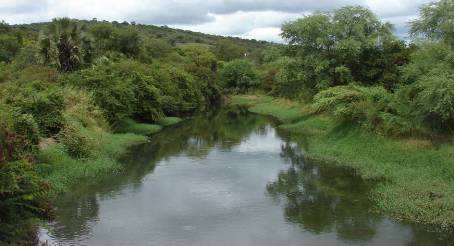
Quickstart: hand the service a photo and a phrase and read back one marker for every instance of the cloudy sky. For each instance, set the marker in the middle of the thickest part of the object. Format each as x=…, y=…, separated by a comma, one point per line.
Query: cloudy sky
x=259, y=19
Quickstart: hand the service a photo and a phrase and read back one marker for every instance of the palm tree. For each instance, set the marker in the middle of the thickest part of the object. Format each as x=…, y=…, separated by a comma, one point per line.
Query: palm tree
x=63, y=34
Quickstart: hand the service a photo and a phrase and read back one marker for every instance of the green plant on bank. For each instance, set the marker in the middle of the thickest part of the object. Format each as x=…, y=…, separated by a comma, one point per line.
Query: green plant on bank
x=167, y=121
x=131, y=126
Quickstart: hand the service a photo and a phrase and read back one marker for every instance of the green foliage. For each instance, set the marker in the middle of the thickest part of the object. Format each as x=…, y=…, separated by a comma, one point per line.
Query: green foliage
x=347, y=45
x=131, y=126
x=22, y=195
x=182, y=93
x=9, y=46
x=63, y=35
x=202, y=64
x=77, y=143
x=25, y=125
x=153, y=48
x=127, y=41
x=42, y=100
x=436, y=21
x=227, y=50
x=435, y=99
x=239, y=75
x=121, y=90
x=167, y=121
x=367, y=106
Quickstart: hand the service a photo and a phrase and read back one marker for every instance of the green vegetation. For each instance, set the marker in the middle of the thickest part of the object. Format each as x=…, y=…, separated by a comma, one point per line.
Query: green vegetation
x=416, y=174
x=240, y=75
x=145, y=129
x=354, y=95
x=167, y=121
x=76, y=95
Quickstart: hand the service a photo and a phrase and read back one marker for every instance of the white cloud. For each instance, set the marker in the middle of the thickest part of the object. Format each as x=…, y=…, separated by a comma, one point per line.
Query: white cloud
x=257, y=19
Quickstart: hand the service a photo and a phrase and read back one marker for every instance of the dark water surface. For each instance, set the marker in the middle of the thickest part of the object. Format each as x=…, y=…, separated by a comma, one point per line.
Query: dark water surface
x=228, y=178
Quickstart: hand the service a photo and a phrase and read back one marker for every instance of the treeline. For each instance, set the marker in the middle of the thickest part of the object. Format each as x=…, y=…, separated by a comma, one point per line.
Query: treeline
x=66, y=86
x=348, y=63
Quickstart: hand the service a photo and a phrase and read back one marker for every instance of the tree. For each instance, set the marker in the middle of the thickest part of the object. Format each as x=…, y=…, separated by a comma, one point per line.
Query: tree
x=64, y=34
x=127, y=41
x=436, y=22
x=239, y=74
x=10, y=43
x=339, y=47
x=227, y=50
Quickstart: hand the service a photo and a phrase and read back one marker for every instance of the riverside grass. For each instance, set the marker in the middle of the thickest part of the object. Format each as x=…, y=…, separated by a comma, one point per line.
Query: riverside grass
x=416, y=176
x=62, y=171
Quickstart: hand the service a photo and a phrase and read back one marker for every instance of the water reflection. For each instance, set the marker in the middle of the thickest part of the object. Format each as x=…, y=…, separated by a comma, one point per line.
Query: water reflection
x=324, y=199
x=202, y=183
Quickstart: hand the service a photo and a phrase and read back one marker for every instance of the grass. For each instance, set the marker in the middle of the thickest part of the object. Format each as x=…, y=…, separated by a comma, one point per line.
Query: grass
x=131, y=126
x=417, y=176
x=61, y=170
x=168, y=121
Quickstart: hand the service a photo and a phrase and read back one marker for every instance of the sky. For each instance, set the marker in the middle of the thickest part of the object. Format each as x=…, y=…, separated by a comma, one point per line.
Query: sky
x=252, y=19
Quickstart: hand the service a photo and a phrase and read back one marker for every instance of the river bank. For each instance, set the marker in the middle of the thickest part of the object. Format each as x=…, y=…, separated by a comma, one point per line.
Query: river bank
x=62, y=171
x=417, y=175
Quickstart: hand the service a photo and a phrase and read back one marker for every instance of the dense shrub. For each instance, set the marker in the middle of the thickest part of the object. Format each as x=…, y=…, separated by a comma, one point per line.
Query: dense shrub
x=363, y=105
x=239, y=74
x=9, y=46
x=435, y=99
x=182, y=93
x=21, y=190
x=22, y=195
x=121, y=90
x=76, y=142
x=80, y=107
x=42, y=100
x=202, y=64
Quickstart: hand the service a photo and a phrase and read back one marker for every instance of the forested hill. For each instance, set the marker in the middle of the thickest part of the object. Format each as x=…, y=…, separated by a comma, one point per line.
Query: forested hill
x=164, y=34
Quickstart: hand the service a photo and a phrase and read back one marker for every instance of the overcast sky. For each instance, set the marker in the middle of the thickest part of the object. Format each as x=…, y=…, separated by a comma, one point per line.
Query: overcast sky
x=259, y=19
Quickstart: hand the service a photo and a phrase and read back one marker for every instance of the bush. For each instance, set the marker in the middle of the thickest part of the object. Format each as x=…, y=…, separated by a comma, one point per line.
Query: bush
x=75, y=141
x=362, y=105
x=341, y=101
x=435, y=100
x=182, y=93
x=122, y=90
x=239, y=74
x=23, y=194
x=19, y=135
x=25, y=125
x=80, y=107
x=42, y=100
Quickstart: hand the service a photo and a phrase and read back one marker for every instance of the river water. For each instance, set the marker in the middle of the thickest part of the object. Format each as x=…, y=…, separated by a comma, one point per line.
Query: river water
x=226, y=178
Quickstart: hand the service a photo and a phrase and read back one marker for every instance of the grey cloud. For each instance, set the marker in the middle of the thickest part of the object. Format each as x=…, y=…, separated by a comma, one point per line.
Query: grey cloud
x=224, y=17
x=291, y=6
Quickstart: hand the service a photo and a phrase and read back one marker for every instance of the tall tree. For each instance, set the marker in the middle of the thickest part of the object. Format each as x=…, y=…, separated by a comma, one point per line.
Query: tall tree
x=436, y=21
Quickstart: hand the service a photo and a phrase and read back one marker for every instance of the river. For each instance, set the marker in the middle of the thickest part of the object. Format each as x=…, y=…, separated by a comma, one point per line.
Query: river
x=226, y=178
